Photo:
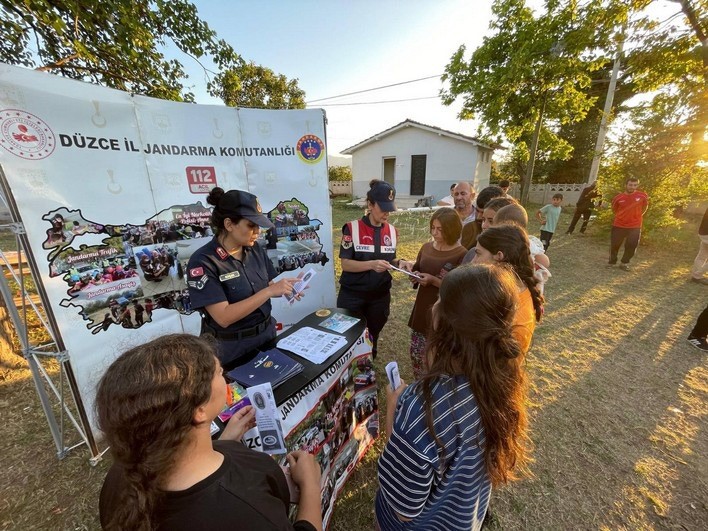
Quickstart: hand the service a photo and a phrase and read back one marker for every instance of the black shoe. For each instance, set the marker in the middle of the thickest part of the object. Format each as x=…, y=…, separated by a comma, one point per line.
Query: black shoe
x=699, y=342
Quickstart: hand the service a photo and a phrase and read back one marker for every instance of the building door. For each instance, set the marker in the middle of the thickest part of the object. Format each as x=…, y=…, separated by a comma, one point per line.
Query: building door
x=418, y=163
x=389, y=170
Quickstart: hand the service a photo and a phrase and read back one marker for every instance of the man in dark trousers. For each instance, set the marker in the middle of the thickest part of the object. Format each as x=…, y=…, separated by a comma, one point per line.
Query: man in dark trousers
x=584, y=208
x=697, y=337
x=700, y=264
x=629, y=208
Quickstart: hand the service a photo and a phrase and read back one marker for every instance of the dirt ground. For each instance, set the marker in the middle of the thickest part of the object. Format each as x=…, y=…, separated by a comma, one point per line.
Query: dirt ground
x=618, y=404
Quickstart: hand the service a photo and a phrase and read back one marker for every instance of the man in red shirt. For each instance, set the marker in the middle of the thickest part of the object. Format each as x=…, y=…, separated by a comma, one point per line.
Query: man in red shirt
x=629, y=207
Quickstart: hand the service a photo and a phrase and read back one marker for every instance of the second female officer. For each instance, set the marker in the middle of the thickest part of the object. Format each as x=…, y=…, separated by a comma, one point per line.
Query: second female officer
x=367, y=252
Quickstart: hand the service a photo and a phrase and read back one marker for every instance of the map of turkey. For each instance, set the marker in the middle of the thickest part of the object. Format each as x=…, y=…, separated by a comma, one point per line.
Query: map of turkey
x=138, y=269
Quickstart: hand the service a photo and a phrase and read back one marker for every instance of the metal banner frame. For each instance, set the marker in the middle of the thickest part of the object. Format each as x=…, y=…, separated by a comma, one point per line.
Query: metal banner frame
x=52, y=392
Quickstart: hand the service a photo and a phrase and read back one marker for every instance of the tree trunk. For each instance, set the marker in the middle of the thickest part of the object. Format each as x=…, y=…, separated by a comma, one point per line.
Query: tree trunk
x=528, y=179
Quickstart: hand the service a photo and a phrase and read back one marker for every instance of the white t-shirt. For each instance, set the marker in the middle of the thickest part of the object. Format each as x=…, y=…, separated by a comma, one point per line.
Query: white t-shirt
x=448, y=199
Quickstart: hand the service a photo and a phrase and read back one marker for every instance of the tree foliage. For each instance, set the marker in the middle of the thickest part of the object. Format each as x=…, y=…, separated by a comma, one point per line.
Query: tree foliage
x=339, y=173
x=665, y=142
x=562, y=55
x=527, y=63
x=252, y=85
x=122, y=44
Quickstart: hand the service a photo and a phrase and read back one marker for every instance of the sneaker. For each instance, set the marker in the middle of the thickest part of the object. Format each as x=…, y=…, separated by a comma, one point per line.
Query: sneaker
x=610, y=266
x=703, y=281
x=624, y=267
x=699, y=342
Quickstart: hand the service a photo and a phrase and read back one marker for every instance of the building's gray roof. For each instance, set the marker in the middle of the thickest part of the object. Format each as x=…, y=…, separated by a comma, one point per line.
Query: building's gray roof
x=431, y=128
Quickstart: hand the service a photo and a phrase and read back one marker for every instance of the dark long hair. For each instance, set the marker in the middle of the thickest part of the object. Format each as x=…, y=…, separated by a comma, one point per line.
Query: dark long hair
x=145, y=405
x=471, y=336
x=513, y=242
x=218, y=216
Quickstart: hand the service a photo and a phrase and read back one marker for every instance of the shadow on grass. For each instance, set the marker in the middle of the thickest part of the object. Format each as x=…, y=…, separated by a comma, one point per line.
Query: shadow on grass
x=619, y=407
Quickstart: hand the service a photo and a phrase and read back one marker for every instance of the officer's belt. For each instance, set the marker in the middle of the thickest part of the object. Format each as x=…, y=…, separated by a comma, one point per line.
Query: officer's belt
x=236, y=334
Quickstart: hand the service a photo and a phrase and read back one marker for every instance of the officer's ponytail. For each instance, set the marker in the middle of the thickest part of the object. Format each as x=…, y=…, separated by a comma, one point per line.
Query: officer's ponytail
x=217, y=216
x=369, y=195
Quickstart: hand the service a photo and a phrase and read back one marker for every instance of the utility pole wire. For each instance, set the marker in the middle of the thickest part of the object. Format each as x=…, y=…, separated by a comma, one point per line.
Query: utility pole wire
x=374, y=102
x=375, y=88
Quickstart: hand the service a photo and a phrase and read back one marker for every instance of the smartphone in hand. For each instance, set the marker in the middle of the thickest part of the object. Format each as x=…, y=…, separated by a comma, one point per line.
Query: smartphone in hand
x=393, y=377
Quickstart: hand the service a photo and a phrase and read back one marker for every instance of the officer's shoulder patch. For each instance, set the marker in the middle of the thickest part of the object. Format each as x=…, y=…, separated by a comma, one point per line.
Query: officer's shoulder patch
x=198, y=284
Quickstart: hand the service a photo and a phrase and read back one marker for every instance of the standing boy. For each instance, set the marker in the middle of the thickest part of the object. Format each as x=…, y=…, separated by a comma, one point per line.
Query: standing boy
x=629, y=208
x=548, y=216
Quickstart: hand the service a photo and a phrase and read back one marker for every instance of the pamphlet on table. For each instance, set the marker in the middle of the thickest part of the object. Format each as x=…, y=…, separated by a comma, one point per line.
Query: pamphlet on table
x=338, y=322
x=313, y=345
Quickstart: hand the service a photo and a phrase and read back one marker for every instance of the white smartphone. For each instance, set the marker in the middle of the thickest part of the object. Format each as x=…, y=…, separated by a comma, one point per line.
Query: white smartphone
x=393, y=377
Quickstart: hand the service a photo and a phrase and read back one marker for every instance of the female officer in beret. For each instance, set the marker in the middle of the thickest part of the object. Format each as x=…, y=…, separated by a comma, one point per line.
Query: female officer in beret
x=367, y=251
x=230, y=279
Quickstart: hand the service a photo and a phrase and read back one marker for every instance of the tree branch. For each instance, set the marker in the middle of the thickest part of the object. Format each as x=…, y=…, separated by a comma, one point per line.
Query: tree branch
x=690, y=12
x=57, y=64
x=94, y=71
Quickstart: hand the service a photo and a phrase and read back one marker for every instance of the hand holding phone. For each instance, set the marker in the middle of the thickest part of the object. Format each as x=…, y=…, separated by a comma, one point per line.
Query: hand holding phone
x=393, y=377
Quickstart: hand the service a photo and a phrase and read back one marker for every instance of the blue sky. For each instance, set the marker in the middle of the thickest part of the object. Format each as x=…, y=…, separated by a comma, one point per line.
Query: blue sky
x=339, y=47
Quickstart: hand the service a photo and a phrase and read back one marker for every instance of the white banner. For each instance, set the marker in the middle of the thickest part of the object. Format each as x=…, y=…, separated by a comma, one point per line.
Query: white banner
x=111, y=189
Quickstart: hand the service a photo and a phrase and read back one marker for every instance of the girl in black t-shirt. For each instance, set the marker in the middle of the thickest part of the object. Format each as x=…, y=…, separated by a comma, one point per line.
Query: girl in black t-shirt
x=155, y=405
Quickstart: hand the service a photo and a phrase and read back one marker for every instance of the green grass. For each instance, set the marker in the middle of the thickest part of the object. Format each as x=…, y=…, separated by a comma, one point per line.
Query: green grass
x=618, y=402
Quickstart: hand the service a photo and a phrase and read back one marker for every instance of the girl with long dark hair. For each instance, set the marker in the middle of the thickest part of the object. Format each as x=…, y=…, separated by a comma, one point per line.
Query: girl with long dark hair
x=461, y=430
x=155, y=405
x=509, y=244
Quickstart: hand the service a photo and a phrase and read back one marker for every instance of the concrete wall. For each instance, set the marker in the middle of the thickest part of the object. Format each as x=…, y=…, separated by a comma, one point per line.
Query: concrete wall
x=542, y=193
x=340, y=187
x=448, y=161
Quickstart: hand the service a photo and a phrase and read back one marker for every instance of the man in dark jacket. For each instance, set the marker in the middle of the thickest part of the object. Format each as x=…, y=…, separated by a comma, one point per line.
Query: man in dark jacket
x=584, y=208
x=700, y=264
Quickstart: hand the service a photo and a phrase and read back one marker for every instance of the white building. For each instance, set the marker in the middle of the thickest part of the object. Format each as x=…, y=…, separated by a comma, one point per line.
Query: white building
x=420, y=160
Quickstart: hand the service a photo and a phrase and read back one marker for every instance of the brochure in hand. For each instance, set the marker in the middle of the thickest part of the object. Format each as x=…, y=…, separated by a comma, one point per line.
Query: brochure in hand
x=270, y=366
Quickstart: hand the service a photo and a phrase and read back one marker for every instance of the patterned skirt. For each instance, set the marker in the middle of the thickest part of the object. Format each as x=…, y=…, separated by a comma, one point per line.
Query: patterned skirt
x=417, y=350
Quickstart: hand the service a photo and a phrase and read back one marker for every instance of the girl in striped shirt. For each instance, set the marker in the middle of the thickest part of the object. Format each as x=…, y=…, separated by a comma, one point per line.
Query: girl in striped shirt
x=460, y=430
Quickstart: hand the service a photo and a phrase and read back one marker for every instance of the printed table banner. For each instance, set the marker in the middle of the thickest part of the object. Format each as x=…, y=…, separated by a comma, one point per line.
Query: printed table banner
x=335, y=418
x=111, y=190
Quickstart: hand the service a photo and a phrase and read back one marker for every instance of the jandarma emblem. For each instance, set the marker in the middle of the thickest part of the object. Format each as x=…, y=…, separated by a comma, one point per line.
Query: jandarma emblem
x=25, y=135
x=310, y=149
